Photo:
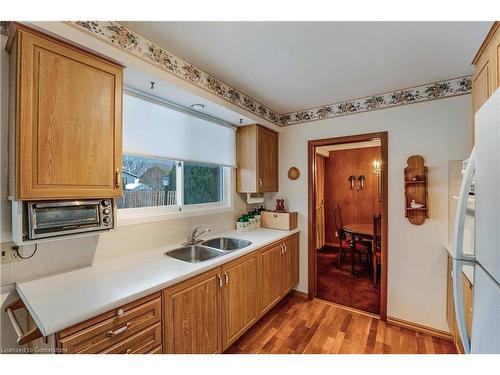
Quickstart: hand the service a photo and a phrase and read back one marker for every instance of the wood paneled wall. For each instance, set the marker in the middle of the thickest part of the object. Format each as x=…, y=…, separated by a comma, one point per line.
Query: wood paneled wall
x=356, y=207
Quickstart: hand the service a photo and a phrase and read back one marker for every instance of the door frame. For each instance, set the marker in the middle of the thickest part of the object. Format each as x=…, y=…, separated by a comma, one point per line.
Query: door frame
x=311, y=252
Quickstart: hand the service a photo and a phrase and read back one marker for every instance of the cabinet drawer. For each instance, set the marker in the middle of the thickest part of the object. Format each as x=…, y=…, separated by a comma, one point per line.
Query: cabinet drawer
x=141, y=343
x=157, y=350
x=109, y=332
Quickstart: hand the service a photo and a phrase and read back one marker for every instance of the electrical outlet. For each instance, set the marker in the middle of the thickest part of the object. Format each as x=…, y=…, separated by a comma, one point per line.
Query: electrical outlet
x=8, y=253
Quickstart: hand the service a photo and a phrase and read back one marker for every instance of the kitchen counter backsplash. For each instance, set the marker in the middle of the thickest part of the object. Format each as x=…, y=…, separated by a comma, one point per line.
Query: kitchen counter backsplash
x=66, y=255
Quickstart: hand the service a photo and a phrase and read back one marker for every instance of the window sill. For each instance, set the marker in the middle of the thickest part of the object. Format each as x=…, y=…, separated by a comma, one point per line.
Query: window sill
x=129, y=217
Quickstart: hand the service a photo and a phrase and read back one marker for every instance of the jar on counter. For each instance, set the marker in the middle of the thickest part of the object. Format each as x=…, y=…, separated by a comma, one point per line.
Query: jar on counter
x=246, y=224
x=239, y=224
x=251, y=221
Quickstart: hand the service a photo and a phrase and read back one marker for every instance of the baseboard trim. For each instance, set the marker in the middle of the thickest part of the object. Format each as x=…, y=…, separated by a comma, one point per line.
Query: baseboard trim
x=332, y=244
x=391, y=320
x=350, y=309
x=298, y=293
x=420, y=328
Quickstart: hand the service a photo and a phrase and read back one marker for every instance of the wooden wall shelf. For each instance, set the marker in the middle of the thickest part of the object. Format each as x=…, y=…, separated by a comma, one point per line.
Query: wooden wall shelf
x=415, y=179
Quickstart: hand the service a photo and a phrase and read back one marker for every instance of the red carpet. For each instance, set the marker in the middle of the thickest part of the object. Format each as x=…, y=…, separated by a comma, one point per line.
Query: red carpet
x=337, y=285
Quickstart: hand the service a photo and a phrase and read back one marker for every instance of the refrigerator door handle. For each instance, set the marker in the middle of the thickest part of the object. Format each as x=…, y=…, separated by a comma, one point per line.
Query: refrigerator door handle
x=459, y=303
x=458, y=234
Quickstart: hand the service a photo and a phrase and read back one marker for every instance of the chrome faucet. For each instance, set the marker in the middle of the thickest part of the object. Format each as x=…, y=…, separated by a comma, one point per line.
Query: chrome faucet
x=193, y=237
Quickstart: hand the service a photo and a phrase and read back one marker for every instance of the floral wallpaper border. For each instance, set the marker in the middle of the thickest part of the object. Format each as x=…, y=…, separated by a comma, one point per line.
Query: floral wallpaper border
x=122, y=37
x=125, y=38
x=417, y=94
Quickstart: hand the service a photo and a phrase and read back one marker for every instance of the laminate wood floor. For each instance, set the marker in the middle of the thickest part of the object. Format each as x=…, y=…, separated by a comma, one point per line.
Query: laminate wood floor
x=297, y=325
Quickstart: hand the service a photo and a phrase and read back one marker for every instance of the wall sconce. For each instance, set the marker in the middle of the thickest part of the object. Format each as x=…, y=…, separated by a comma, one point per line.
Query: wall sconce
x=361, y=180
x=360, y=185
x=377, y=169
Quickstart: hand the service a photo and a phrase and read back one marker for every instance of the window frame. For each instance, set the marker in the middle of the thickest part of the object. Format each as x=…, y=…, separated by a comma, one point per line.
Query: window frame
x=140, y=215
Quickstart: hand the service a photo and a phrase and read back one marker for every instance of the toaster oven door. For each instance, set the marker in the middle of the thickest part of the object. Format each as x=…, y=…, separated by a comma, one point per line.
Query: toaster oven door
x=50, y=219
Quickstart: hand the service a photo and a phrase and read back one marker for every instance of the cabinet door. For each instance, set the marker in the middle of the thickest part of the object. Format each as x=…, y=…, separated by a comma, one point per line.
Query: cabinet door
x=192, y=315
x=467, y=293
x=481, y=82
x=239, y=298
x=270, y=276
x=267, y=160
x=450, y=308
x=69, y=121
x=290, y=265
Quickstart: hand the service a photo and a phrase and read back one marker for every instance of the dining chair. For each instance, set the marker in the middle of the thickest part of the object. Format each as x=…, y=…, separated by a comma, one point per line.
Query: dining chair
x=376, y=246
x=344, y=242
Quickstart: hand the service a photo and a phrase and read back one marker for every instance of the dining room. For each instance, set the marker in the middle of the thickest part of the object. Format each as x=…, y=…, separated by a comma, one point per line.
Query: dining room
x=349, y=204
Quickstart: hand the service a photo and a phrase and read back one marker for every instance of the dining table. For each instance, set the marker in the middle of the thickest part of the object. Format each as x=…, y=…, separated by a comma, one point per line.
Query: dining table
x=358, y=231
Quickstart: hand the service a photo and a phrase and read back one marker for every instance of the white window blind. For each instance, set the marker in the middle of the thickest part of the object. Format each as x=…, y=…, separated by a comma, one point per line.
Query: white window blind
x=151, y=129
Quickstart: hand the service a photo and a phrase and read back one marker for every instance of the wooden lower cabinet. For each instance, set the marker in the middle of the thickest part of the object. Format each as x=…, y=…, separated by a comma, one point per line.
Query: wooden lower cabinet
x=193, y=315
x=290, y=265
x=143, y=342
x=450, y=306
x=208, y=313
x=239, y=297
x=204, y=314
x=270, y=276
x=468, y=298
x=279, y=271
x=133, y=328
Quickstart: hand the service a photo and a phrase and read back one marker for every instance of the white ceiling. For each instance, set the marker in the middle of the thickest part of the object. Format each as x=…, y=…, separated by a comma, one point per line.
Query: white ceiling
x=290, y=66
x=141, y=81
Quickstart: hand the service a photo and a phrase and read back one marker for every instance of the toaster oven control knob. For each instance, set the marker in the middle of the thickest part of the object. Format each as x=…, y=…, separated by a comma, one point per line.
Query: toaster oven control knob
x=107, y=220
x=106, y=211
x=106, y=203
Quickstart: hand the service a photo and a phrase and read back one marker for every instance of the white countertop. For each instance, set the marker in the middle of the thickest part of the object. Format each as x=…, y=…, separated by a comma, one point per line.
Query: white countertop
x=60, y=301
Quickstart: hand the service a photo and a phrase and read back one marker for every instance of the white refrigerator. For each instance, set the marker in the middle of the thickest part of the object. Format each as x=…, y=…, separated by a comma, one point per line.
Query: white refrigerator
x=478, y=212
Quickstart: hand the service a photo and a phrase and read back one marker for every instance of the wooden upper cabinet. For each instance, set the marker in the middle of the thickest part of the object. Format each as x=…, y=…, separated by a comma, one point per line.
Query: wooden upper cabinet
x=486, y=78
x=192, y=315
x=257, y=159
x=239, y=298
x=67, y=119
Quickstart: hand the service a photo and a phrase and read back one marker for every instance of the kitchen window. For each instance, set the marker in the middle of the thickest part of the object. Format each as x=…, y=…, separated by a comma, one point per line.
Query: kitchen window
x=175, y=162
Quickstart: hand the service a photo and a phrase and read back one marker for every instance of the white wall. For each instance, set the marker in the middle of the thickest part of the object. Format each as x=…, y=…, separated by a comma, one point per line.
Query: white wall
x=440, y=131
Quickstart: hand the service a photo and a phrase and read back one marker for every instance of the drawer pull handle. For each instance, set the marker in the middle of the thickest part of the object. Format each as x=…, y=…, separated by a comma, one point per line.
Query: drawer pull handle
x=226, y=276
x=118, y=331
x=128, y=351
x=220, y=280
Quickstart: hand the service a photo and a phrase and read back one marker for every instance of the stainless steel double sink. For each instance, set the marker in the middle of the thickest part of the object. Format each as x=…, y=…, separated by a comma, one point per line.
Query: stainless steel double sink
x=210, y=249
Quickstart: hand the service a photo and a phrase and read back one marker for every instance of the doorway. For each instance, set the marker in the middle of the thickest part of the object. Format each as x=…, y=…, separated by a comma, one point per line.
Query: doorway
x=348, y=221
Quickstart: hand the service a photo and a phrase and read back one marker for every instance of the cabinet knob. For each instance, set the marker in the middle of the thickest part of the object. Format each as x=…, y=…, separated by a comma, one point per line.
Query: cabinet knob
x=119, y=312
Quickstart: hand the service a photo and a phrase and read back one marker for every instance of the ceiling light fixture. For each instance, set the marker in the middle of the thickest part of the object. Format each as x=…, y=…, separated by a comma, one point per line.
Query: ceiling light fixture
x=198, y=106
